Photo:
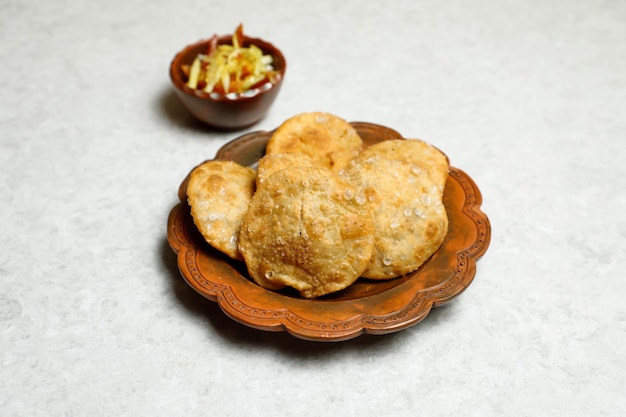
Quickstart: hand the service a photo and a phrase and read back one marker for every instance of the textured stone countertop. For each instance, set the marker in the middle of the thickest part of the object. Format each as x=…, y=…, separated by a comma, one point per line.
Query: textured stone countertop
x=526, y=97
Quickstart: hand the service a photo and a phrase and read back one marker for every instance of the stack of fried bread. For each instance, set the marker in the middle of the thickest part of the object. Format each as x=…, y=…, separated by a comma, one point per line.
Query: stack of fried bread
x=321, y=209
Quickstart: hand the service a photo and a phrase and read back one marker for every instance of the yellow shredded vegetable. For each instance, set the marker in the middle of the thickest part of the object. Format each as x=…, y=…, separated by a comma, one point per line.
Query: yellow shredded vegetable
x=231, y=68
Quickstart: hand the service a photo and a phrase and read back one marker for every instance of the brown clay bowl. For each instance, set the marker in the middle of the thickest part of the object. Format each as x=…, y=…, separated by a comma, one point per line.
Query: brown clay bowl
x=226, y=112
x=367, y=306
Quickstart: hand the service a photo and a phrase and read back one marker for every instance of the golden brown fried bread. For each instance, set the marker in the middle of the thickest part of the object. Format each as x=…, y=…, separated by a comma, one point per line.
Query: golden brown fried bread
x=422, y=155
x=269, y=164
x=218, y=193
x=405, y=198
x=305, y=229
x=324, y=137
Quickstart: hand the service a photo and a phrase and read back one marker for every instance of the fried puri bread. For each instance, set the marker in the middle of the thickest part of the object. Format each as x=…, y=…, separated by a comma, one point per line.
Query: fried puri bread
x=422, y=155
x=410, y=219
x=305, y=229
x=269, y=164
x=218, y=193
x=324, y=137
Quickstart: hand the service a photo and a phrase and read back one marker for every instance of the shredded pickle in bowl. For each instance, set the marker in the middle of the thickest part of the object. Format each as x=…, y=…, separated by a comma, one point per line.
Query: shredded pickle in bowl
x=231, y=69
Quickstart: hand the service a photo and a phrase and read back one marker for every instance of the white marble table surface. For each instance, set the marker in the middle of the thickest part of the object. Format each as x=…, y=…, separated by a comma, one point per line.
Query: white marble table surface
x=527, y=97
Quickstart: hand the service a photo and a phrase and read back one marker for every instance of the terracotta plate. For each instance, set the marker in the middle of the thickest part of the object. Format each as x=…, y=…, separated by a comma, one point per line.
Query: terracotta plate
x=367, y=306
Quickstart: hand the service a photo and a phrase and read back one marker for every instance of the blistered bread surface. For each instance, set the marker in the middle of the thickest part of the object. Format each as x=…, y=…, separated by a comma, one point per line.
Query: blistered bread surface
x=324, y=137
x=402, y=183
x=271, y=163
x=218, y=193
x=306, y=229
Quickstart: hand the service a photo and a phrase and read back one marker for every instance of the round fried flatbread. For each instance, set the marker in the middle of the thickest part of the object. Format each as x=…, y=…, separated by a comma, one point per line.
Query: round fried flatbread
x=270, y=164
x=305, y=229
x=218, y=193
x=405, y=200
x=324, y=137
x=423, y=156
